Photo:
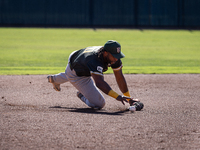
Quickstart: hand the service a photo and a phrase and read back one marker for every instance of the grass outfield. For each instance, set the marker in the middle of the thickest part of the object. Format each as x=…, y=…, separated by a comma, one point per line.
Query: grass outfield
x=45, y=51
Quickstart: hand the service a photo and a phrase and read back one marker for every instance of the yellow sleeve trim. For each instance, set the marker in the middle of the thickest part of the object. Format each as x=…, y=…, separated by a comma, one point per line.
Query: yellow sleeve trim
x=97, y=73
x=117, y=69
x=113, y=94
x=127, y=94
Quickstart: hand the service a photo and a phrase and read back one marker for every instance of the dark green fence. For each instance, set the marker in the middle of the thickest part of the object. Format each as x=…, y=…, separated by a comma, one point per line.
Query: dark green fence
x=105, y=13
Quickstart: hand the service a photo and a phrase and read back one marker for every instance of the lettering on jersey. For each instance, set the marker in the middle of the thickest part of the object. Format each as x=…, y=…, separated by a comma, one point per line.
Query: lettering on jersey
x=100, y=69
x=118, y=49
x=87, y=50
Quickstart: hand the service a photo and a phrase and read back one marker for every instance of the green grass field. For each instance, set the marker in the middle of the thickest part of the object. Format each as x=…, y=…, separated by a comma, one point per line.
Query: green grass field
x=45, y=51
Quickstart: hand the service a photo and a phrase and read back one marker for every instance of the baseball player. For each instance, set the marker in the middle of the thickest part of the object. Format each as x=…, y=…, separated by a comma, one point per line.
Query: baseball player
x=92, y=62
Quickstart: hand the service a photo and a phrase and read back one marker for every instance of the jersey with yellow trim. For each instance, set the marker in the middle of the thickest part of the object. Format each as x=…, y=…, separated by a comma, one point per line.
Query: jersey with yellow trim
x=86, y=62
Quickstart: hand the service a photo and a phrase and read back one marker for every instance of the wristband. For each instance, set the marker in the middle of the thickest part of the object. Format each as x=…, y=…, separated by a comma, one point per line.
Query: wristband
x=113, y=94
x=127, y=94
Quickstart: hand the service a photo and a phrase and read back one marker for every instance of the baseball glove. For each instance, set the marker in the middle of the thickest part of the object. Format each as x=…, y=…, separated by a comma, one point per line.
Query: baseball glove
x=139, y=106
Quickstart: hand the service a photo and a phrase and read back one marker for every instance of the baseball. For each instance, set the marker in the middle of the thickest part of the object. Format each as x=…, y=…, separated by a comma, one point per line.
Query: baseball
x=132, y=108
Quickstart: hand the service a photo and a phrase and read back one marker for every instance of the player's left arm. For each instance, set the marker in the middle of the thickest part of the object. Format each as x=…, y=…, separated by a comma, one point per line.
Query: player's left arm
x=103, y=86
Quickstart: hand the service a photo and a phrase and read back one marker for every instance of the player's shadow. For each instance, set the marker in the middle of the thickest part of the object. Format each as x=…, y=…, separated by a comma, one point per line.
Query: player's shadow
x=88, y=110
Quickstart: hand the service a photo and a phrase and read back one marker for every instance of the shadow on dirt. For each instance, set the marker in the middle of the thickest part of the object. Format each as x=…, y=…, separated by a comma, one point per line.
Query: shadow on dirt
x=89, y=110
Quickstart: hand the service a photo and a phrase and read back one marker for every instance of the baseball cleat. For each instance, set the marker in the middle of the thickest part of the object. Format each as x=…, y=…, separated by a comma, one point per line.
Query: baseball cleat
x=55, y=85
x=83, y=99
x=79, y=95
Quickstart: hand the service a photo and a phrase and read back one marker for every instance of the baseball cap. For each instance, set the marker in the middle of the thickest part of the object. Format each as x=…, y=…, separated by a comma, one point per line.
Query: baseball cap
x=114, y=48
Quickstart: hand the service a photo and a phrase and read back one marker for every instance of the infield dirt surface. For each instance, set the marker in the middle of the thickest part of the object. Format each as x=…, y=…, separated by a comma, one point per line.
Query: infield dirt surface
x=35, y=116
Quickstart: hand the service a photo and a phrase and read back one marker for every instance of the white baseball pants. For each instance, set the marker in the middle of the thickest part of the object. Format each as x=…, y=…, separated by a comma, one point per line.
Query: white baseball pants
x=85, y=85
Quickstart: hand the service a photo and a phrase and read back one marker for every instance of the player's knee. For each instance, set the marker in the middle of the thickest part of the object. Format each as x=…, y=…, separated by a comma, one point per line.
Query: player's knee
x=100, y=105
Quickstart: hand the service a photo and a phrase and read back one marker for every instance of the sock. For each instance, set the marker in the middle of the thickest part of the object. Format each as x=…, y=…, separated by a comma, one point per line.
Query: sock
x=86, y=101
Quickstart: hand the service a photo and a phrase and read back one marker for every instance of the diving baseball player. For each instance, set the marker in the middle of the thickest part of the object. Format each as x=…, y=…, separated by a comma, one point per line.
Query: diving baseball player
x=92, y=62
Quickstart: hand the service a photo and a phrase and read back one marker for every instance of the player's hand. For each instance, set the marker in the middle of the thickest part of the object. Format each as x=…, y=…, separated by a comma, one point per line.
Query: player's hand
x=132, y=101
x=129, y=98
x=123, y=99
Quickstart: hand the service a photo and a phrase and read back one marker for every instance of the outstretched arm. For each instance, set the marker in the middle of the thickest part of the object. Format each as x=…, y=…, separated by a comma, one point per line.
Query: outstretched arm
x=121, y=81
x=103, y=86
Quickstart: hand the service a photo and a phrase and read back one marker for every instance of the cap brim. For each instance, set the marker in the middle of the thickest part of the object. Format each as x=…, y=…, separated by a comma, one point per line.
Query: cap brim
x=118, y=56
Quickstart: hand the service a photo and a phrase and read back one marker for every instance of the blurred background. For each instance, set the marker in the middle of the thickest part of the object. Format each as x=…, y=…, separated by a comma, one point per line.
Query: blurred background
x=182, y=14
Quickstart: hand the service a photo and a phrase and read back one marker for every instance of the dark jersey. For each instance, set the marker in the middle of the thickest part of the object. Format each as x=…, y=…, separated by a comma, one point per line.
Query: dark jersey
x=87, y=61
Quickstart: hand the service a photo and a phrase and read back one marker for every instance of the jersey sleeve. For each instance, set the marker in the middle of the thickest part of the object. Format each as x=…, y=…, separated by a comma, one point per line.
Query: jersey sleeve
x=95, y=67
x=117, y=66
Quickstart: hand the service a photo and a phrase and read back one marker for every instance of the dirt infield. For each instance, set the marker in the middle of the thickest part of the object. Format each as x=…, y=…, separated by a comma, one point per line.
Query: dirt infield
x=34, y=116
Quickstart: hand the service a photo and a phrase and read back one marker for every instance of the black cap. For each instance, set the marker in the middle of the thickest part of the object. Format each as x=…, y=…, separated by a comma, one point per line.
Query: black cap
x=114, y=48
